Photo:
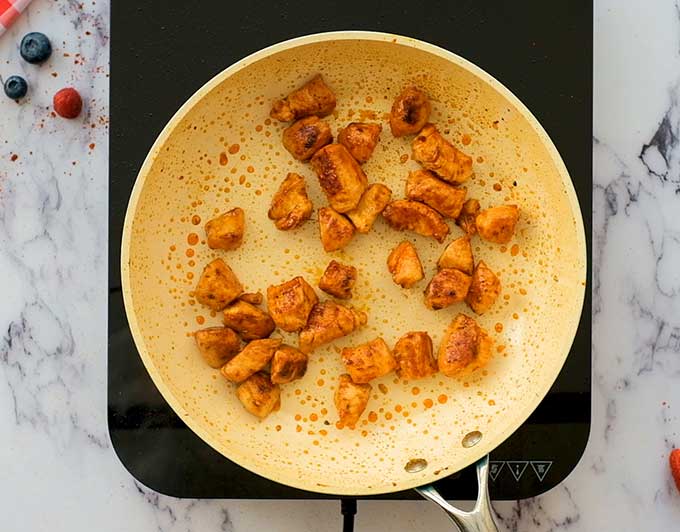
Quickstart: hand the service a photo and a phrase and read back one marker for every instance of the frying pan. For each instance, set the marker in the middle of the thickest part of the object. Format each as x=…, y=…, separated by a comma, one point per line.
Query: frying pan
x=221, y=150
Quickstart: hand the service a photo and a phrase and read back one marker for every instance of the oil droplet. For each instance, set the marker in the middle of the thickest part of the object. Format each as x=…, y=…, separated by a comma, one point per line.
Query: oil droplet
x=442, y=399
x=388, y=415
x=190, y=275
x=480, y=159
x=298, y=428
x=515, y=316
x=403, y=158
x=398, y=408
x=466, y=140
x=195, y=219
x=192, y=239
x=298, y=391
x=298, y=417
x=500, y=348
x=498, y=327
x=315, y=442
x=514, y=250
x=173, y=247
x=250, y=169
x=200, y=320
x=234, y=148
x=241, y=179
x=372, y=416
x=324, y=411
x=428, y=403
x=522, y=291
x=497, y=187
x=189, y=252
x=415, y=390
x=320, y=382
x=313, y=417
x=382, y=388
x=223, y=159
x=492, y=402
x=278, y=428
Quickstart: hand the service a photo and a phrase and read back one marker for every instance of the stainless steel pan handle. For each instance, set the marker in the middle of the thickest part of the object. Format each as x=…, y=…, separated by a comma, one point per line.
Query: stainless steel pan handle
x=480, y=519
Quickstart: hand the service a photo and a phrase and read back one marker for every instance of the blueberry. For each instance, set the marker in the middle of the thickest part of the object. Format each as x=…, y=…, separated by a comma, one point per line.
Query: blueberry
x=16, y=87
x=35, y=47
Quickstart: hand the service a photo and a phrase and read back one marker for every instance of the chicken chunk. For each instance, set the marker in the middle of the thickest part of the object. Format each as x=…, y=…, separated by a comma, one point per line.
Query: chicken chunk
x=254, y=356
x=313, y=98
x=404, y=265
x=371, y=204
x=340, y=176
x=417, y=217
x=437, y=154
x=497, y=224
x=336, y=230
x=458, y=255
x=350, y=400
x=254, y=298
x=218, y=345
x=306, y=136
x=290, y=206
x=329, y=321
x=226, y=231
x=288, y=365
x=218, y=285
x=448, y=286
x=290, y=303
x=413, y=353
x=368, y=361
x=484, y=289
x=468, y=215
x=338, y=280
x=464, y=348
x=423, y=185
x=259, y=395
x=360, y=139
x=410, y=112
x=249, y=321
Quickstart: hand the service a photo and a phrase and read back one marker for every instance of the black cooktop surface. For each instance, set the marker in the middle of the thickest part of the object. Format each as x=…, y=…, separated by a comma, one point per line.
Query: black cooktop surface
x=161, y=52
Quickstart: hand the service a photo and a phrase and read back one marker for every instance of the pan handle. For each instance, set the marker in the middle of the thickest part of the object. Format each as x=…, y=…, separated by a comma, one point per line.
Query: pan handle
x=480, y=519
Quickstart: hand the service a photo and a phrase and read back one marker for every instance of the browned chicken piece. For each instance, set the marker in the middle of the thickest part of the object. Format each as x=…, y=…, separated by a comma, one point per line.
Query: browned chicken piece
x=464, y=348
x=290, y=303
x=254, y=298
x=306, y=136
x=404, y=265
x=249, y=321
x=291, y=206
x=218, y=345
x=288, y=365
x=368, y=361
x=410, y=112
x=484, y=289
x=413, y=353
x=468, y=215
x=329, y=321
x=417, y=217
x=360, y=139
x=338, y=280
x=350, y=400
x=336, y=230
x=259, y=395
x=458, y=255
x=371, y=204
x=218, y=285
x=254, y=356
x=226, y=231
x=448, y=286
x=423, y=185
x=340, y=176
x=497, y=224
x=313, y=98
x=436, y=153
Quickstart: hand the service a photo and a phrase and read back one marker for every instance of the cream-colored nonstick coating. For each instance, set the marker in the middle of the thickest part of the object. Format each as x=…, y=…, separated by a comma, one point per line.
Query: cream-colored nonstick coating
x=221, y=150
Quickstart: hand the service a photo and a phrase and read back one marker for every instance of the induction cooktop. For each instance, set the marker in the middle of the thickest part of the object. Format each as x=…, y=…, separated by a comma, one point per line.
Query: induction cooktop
x=161, y=52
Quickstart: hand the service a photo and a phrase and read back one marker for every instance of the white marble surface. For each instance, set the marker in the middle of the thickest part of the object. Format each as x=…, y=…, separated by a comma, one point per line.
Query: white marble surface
x=57, y=469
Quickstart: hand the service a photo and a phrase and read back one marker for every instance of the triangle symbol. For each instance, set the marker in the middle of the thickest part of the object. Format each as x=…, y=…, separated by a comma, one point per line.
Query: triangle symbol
x=495, y=469
x=541, y=468
x=517, y=469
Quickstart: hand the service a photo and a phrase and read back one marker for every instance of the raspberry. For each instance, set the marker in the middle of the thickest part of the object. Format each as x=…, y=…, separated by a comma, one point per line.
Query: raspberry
x=68, y=103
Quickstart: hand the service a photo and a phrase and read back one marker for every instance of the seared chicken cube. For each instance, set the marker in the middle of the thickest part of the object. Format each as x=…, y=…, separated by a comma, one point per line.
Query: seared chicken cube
x=288, y=365
x=484, y=289
x=218, y=286
x=448, y=286
x=423, y=185
x=371, y=204
x=413, y=353
x=458, y=255
x=329, y=321
x=437, y=154
x=218, y=345
x=336, y=230
x=368, y=361
x=259, y=395
x=404, y=265
x=313, y=98
x=464, y=348
x=306, y=136
x=340, y=176
x=290, y=303
x=226, y=231
x=254, y=298
x=417, y=217
x=338, y=280
x=254, y=356
x=290, y=206
x=249, y=321
x=497, y=224
x=468, y=215
x=350, y=400
x=410, y=112
x=360, y=139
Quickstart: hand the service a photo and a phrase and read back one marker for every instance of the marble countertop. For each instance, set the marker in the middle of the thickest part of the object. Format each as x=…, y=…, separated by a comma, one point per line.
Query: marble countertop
x=58, y=469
